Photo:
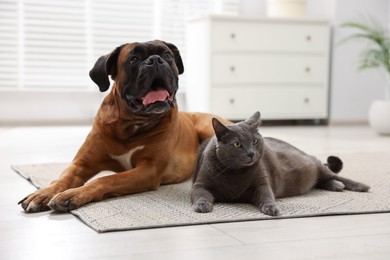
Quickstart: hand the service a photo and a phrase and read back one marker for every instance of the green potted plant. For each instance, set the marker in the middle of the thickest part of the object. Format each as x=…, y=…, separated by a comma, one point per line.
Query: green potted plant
x=375, y=55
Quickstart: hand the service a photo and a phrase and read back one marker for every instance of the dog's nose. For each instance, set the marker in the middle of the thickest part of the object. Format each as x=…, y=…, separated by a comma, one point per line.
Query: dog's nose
x=154, y=59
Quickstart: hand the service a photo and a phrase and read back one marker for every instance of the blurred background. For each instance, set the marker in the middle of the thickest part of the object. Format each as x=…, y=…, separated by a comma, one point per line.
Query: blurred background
x=47, y=48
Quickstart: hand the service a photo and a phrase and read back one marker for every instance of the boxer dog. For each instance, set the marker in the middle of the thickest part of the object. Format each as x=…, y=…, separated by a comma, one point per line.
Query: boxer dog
x=138, y=132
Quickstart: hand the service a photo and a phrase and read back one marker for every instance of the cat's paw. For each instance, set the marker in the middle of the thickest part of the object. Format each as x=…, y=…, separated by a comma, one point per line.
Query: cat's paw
x=270, y=209
x=202, y=206
x=332, y=185
x=361, y=187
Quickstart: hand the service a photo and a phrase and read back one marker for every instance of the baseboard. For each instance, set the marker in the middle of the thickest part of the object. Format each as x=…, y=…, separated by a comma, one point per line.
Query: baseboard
x=348, y=123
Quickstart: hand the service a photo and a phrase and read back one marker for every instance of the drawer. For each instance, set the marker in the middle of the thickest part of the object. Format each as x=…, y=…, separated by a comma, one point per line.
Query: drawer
x=268, y=68
x=273, y=102
x=269, y=36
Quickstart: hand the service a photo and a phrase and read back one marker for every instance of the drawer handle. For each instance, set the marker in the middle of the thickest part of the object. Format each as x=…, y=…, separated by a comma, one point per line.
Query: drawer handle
x=232, y=68
x=307, y=69
x=233, y=35
x=308, y=38
x=306, y=100
x=231, y=101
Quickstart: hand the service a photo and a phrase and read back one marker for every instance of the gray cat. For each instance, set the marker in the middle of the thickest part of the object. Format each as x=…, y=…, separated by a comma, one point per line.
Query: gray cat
x=239, y=165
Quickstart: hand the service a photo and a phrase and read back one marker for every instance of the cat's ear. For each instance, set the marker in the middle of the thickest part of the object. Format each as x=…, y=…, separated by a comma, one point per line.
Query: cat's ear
x=220, y=129
x=254, y=120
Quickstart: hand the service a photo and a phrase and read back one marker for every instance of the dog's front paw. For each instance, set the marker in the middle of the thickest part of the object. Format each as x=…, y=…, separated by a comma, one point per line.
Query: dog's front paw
x=69, y=200
x=270, y=209
x=203, y=206
x=37, y=201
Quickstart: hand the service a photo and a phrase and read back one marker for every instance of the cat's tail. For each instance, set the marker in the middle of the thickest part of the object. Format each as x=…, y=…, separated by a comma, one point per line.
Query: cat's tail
x=338, y=183
x=334, y=164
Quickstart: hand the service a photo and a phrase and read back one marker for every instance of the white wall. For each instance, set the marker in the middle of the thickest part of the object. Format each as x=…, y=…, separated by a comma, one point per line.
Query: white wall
x=253, y=7
x=351, y=91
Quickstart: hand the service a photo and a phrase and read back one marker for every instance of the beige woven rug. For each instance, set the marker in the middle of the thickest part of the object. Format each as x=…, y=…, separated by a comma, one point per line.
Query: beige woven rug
x=170, y=205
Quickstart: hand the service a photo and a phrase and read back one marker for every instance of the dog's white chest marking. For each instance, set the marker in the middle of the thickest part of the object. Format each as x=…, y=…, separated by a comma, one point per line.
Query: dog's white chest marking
x=125, y=159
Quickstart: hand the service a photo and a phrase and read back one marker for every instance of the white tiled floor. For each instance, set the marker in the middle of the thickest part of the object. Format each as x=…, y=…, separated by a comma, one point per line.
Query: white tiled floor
x=62, y=236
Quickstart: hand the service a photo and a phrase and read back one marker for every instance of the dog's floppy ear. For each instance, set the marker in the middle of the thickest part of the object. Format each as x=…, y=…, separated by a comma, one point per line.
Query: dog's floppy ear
x=106, y=65
x=176, y=53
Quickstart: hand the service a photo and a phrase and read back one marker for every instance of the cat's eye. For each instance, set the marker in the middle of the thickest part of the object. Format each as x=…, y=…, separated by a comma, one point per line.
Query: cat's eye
x=255, y=141
x=237, y=144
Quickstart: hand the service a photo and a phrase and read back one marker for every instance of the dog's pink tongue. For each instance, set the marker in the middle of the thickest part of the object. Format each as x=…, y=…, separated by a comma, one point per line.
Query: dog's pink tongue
x=155, y=96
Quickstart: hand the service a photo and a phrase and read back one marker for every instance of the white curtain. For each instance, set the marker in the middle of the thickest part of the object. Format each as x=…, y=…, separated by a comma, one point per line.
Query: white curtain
x=47, y=48
x=52, y=44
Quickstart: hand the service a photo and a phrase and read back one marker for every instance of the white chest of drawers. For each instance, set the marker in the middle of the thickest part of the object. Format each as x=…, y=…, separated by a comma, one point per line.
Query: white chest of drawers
x=236, y=66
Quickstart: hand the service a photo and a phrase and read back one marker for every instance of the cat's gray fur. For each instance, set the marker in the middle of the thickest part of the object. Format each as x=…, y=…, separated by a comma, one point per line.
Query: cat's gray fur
x=234, y=167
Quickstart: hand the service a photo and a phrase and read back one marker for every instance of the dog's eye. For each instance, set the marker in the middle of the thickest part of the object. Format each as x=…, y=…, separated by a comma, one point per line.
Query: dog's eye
x=133, y=59
x=167, y=56
x=255, y=141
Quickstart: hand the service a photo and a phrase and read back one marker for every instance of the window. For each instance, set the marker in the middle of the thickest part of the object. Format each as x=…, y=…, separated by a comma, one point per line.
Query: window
x=9, y=58
x=49, y=46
